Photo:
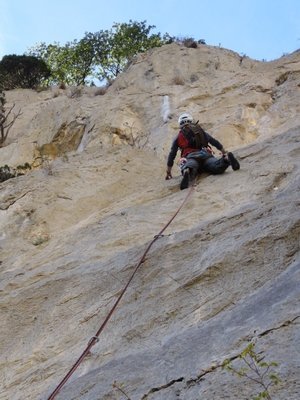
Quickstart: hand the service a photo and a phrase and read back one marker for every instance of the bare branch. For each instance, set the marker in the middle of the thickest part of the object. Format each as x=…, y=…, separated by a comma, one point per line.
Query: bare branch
x=5, y=126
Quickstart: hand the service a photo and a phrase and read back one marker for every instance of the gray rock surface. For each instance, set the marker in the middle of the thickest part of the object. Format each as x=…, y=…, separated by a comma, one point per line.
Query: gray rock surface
x=72, y=230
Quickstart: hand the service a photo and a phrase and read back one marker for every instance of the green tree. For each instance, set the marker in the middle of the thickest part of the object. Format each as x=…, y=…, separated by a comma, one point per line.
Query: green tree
x=101, y=55
x=113, y=49
x=83, y=61
x=22, y=72
x=55, y=57
x=71, y=64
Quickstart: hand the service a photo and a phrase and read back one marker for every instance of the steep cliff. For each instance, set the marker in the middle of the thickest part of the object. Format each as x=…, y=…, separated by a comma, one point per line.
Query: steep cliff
x=72, y=230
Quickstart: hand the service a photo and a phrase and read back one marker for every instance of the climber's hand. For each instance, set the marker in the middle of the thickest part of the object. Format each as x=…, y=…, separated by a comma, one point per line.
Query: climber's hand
x=168, y=173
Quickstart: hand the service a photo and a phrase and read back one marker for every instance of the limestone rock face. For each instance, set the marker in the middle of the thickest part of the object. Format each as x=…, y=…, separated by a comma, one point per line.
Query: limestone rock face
x=72, y=230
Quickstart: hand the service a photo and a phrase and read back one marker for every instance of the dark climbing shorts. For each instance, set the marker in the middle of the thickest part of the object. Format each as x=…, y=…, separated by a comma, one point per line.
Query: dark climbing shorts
x=203, y=161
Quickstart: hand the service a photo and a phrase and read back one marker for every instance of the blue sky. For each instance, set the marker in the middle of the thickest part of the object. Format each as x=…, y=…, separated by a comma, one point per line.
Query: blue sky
x=260, y=29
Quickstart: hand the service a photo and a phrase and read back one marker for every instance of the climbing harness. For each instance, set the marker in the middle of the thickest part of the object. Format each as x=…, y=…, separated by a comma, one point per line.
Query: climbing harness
x=94, y=339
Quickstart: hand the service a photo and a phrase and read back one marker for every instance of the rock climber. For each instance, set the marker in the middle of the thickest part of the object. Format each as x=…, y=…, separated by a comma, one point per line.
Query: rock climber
x=196, y=152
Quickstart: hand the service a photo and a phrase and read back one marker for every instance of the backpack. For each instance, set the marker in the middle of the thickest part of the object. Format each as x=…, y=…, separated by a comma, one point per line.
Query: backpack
x=200, y=135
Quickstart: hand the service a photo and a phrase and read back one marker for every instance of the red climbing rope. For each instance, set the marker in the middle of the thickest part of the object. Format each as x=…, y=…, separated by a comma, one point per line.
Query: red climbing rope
x=95, y=338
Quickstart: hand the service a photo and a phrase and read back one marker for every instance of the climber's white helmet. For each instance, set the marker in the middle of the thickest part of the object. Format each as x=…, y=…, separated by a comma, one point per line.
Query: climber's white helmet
x=184, y=119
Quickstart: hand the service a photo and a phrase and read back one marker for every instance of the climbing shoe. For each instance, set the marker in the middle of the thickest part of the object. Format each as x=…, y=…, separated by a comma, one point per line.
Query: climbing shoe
x=233, y=162
x=184, y=184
